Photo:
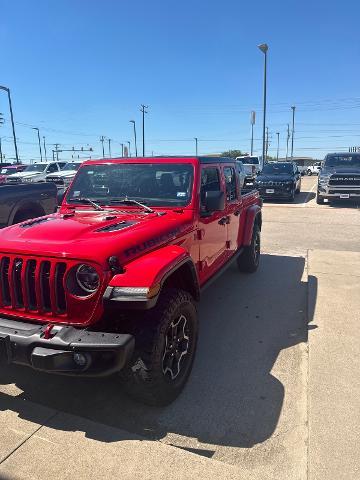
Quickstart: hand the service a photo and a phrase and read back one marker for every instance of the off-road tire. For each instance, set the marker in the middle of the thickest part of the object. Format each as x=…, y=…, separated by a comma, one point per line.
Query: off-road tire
x=248, y=261
x=319, y=199
x=144, y=378
x=292, y=196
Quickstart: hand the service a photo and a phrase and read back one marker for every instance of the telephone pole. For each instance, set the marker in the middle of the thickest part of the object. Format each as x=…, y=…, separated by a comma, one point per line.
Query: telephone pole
x=143, y=111
x=45, y=149
x=293, y=131
x=287, y=141
x=102, y=139
x=196, y=146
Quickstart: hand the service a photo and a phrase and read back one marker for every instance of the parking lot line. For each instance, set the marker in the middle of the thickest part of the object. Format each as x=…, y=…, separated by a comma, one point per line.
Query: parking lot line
x=308, y=195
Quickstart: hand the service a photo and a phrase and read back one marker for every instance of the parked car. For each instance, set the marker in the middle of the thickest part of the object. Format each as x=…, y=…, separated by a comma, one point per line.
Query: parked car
x=22, y=202
x=313, y=170
x=9, y=170
x=109, y=283
x=279, y=180
x=64, y=177
x=339, y=178
x=253, y=166
x=35, y=173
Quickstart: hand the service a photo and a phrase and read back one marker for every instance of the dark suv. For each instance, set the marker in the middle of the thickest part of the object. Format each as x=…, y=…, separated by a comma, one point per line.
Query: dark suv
x=279, y=180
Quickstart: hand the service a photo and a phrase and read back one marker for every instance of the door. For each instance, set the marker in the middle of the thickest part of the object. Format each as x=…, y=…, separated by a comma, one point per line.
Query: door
x=212, y=231
x=232, y=208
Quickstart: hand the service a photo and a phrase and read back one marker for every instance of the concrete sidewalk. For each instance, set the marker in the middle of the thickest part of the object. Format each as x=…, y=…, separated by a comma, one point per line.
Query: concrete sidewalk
x=334, y=366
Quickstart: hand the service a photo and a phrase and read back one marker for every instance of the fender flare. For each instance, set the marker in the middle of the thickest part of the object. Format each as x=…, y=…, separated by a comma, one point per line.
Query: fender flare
x=152, y=271
x=253, y=216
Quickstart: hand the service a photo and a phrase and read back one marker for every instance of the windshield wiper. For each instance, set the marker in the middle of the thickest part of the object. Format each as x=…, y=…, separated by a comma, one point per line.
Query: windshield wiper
x=87, y=200
x=132, y=201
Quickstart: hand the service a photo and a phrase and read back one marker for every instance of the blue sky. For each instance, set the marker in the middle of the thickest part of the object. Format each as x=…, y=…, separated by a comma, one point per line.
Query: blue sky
x=79, y=69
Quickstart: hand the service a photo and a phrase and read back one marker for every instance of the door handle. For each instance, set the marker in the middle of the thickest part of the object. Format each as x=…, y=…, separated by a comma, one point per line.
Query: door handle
x=222, y=221
x=237, y=212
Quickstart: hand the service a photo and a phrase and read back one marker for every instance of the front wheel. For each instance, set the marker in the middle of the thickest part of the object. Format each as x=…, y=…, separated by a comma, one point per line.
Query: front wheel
x=248, y=261
x=164, y=350
x=319, y=199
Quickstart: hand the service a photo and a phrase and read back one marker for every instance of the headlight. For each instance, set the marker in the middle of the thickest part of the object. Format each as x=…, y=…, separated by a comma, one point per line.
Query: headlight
x=323, y=179
x=87, y=278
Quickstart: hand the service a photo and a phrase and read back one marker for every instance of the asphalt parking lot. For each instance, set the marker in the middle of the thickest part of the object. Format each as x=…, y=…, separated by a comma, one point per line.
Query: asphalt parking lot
x=247, y=402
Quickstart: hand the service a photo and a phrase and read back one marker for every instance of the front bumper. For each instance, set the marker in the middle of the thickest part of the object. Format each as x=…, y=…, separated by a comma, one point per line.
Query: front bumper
x=279, y=193
x=339, y=191
x=63, y=349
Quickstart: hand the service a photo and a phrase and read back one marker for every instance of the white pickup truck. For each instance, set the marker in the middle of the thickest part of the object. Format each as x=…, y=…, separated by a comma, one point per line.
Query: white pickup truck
x=313, y=170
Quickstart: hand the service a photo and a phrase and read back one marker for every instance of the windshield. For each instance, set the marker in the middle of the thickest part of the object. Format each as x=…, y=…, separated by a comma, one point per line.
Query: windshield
x=37, y=167
x=158, y=184
x=342, y=161
x=7, y=171
x=278, y=168
x=250, y=161
x=71, y=166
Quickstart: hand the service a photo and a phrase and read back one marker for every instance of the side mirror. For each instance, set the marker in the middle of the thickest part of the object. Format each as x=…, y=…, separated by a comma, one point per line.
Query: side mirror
x=214, y=201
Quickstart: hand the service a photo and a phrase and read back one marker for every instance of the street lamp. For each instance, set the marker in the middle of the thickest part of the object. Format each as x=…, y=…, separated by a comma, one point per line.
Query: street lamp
x=293, y=131
x=12, y=122
x=133, y=122
x=264, y=48
x=45, y=149
x=196, y=146
x=278, y=141
x=129, y=148
x=143, y=111
x=38, y=135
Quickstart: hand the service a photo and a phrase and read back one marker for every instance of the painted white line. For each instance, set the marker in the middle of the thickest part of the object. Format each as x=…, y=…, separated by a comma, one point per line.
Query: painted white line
x=308, y=195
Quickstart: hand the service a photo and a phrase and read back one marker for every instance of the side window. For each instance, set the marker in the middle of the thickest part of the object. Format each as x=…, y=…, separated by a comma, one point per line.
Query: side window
x=210, y=182
x=230, y=182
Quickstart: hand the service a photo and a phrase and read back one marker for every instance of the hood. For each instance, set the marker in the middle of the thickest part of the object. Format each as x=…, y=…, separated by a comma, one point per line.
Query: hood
x=62, y=174
x=274, y=178
x=25, y=174
x=95, y=235
x=341, y=170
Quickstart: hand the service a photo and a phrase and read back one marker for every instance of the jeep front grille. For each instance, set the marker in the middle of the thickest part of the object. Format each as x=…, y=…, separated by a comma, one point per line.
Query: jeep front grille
x=32, y=285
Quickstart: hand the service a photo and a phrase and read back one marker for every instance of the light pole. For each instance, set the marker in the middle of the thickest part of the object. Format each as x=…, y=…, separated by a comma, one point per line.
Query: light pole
x=196, y=146
x=38, y=135
x=129, y=148
x=45, y=149
x=293, y=131
x=1, y=155
x=264, y=48
x=102, y=139
x=109, y=141
x=12, y=122
x=252, y=121
x=287, y=141
x=278, y=140
x=133, y=122
x=122, y=149
x=143, y=111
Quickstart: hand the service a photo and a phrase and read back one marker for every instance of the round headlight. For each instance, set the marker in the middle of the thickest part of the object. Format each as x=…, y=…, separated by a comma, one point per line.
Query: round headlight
x=87, y=278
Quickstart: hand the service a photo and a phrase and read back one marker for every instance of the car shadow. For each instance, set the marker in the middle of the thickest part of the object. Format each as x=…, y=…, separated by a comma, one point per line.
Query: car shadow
x=300, y=198
x=232, y=398
x=343, y=204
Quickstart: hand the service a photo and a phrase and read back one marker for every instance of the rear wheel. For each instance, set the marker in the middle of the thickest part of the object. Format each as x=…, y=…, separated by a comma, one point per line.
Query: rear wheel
x=165, y=350
x=248, y=261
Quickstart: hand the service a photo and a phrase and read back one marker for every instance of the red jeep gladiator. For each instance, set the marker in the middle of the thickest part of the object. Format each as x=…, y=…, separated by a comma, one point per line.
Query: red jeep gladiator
x=108, y=284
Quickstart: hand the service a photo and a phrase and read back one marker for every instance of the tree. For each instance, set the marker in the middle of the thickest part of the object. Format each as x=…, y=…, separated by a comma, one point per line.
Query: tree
x=233, y=153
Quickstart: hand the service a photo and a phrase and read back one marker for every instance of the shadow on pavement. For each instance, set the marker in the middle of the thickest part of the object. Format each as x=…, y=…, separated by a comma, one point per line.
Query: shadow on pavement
x=302, y=197
x=232, y=398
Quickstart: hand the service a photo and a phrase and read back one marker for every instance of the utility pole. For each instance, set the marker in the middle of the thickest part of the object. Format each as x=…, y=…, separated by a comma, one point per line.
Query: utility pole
x=1, y=155
x=293, y=131
x=102, y=139
x=264, y=48
x=143, y=111
x=12, y=121
x=129, y=148
x=38, y=135
x=252, y=121
x=109, y=141
x=267, y=142
x=287, y=141
x=278, y=140
x=196, y=146
x=57, y=145
x=122, y=149
x=133, y=122
x=45, y=149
